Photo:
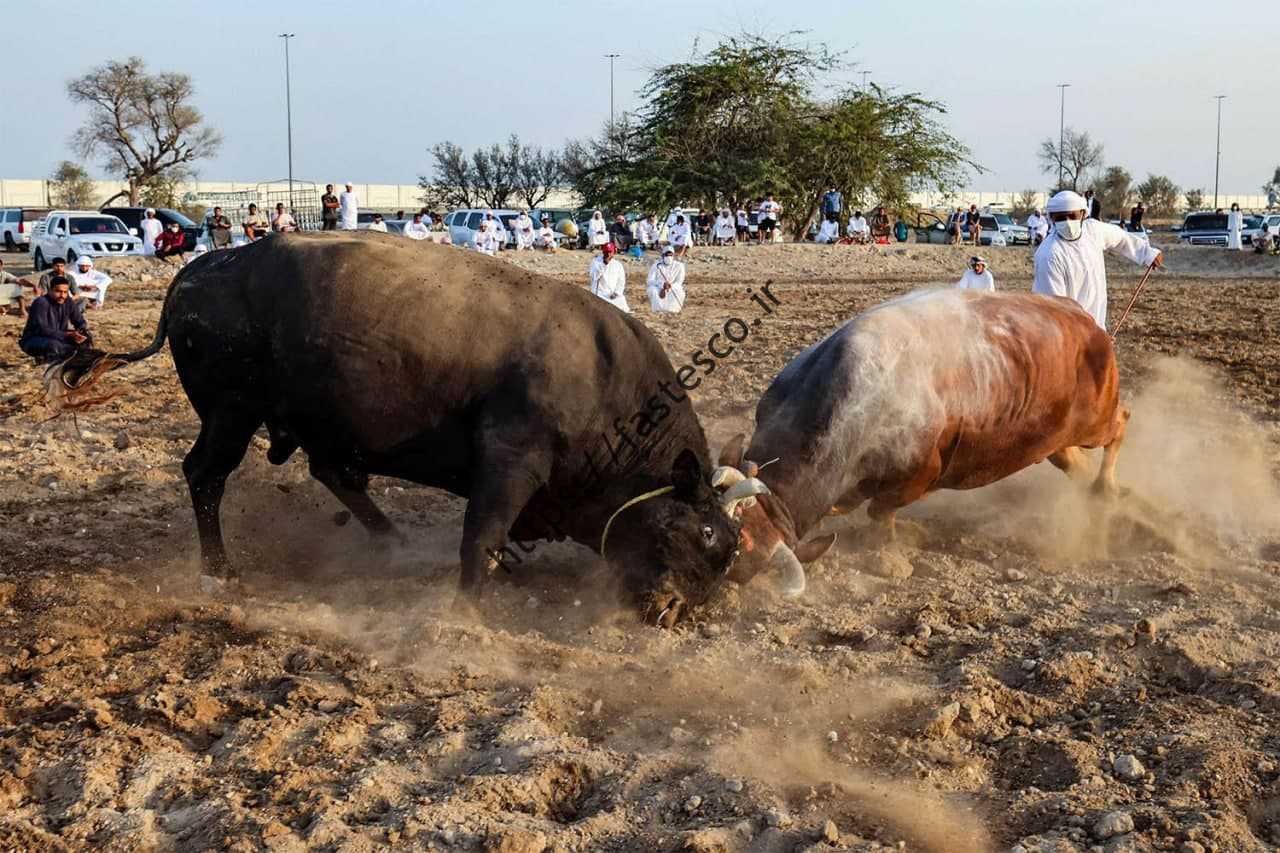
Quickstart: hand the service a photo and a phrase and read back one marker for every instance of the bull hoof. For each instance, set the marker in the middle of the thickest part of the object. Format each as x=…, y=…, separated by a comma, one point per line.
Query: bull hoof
x=1106, y=491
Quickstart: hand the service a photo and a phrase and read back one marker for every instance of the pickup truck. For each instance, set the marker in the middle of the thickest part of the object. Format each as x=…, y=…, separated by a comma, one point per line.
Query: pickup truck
x=71, y=233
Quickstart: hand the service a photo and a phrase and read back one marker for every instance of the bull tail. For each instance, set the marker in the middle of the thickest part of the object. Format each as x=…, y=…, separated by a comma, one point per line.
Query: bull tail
x=162, y=331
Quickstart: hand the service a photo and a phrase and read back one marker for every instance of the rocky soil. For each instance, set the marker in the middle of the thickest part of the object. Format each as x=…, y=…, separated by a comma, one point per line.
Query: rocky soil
x=1025, y=672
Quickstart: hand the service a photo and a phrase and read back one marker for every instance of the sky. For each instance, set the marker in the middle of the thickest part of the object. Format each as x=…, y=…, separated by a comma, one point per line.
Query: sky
x=376, y=84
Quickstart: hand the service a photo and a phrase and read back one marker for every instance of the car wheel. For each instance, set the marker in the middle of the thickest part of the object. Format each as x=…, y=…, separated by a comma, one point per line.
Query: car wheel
x=71, y=259
x=9, y=245
x=38, y=261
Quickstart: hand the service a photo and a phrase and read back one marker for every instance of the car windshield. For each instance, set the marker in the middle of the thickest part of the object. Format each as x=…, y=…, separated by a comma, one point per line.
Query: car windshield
x=97, y=225
x=175, y=216
x=1205, y=222
x=1252, y=221
x=1003, y=219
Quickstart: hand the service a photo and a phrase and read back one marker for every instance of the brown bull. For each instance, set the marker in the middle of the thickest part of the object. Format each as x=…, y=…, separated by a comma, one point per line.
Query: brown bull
x=935, y=390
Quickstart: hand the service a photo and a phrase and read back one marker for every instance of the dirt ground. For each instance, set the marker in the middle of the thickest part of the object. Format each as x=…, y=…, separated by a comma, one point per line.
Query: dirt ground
x=1025, y=671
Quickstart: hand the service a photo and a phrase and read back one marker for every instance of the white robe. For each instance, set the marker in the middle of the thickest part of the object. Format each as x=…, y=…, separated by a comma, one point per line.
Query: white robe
x=92, y=284
x=743, y=221
x=725, y=228
x=858, y=225
x=546, y=236
x=414, y=230
x=348, y=208
x=597, y=232
x=609, y=282
x=680, y=235
x=1235, y=222
x=150, y=229
x=486, y=243
x=1038, y=225
x=672, y=274
x=828, y=232
x=1077, y=270
x=972, y=281
x=523, y=226
x=647, y=233
x=378, y=226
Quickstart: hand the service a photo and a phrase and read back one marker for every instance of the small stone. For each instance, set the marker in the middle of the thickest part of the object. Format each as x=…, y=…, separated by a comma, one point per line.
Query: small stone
x=692, y=804
x=831, y=832
x=889, y=564
x=777, y=819
x=867, y=633
x=940, y=725
x=596, y=707
x=532, y=603
x=122, y=441
x=1145, y=627
x=373, y=663
x=733, y=785
x=1129, y=767
x=1248, y=705
x=1028, y=664
x=1191, y=847
x=923, y=632
x=515, y=841
x=1014, y=575
x=1112, y=824
x=274, y=828
x=833, y=737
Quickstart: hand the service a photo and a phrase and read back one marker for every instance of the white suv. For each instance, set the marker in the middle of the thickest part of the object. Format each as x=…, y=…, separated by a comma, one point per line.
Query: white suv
x=463, y=225
x=71, y=233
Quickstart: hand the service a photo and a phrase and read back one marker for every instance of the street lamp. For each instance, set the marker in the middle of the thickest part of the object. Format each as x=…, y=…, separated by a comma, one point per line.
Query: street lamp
x=864, y=74
x=288, y=111
x=1218, y=162
x=611, y=57
x=1062, y=127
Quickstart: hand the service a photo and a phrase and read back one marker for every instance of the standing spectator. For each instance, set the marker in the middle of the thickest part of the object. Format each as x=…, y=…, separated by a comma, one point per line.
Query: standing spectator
x=150, y=228
x=523, y=226
x=11, y=291
x=497, y=230
x=724, y=228
x=680, y=236
x=955, y=227
x=1033, y=227
x=172, y=242
x=55, y=326
x=91, y=285
x=349, y=208
x=329, y=209
x=977, y=276
x=597, y=230
x=254, y=225
x=220, y=229
x=417, y=229
x=829, y=231
x=666, y=284
x=1093, y=209
x=973, y=221
x=744, y=225
x=283, y=221
x=485, y=242
x=1135, y=217
x=858, y=228
x=1235, y=222
x=647, y=233
x=770, y=214
x=832, y=204
x=880, y=225
x=609, y=278
x=620, y=233
x=377, y=224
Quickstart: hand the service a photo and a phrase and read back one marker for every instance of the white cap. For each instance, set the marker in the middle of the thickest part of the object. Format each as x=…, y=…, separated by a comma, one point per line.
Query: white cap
x=151, y=210
x=1066, y=202
x=84, y=259
x=667, y=250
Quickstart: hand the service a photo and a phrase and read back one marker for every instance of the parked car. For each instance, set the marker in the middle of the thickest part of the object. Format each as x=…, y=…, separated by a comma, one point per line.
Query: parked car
x=1253, y=225
x=133, y=216
x=71, y=233
x=1002, y=223
x=930, y=228
x=463, y=224
x=16, y=224
x=1204, y=229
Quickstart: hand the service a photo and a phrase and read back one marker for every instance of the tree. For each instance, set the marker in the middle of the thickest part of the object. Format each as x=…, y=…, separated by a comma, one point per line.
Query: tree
x=1272, y=187
x=494, y=170
x=490, y=176
x=537, y=174
x=70, y=187
x=1195, y=199
x=1159, y=194
x=1114, y=190
x=1026, y=202
x=1076, y=160
x=453, y=184
x=142, y=125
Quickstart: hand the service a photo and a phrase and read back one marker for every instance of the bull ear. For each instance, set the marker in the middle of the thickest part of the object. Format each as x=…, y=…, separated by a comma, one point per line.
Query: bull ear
x=686, y=473
x=731, y=453
x=809, y=551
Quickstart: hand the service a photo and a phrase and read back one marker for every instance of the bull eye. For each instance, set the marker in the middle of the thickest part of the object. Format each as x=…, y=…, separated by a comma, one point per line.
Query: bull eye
x=708, y=535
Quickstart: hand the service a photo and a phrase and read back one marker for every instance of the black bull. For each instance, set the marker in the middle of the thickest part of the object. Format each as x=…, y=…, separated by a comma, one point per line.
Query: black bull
x=544, y=406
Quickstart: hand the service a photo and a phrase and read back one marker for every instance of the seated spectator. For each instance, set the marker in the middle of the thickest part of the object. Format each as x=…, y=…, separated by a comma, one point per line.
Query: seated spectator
x=680, y=236
x=377, y=224
x=725, y=228
x=91, y=285
x=666, y=284
x=283, y=221
x=546, y=238
x=702, y=235
x=829, y=230
x=647, y=232
x=220, y=229
x=620, y=233
x=485, y=242
x=881, y=225
x=417, y=230
x=170, y=243
x=57, y=268
x=859, y=230
x=254, y=225
x=522, y=226
x=977, y=276
x=11, y=291
x=55, y=326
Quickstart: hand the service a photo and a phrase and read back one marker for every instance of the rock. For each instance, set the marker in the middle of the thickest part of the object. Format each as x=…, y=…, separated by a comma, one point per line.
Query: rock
x=733, y=786
x=516, y=841
x=833, y=737
x=1248, y=705
x=1014, y=575
x=867, y=633
x=274, y=828
x=1128, y=767
x=692, y=804
x=123, y=441
x=923, y=632
x=777, y=819
x=831, y=832
x=1191, y=847
x=1028, y=664
x=721, y=839
x=596, y=707
x=889, y=564
x=1145, y=628
x=940, y=725
x=1112, y=824
x=341, y=517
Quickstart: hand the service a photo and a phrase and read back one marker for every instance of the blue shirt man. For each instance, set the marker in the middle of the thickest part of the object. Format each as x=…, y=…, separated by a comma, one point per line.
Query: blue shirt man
x=831, y=202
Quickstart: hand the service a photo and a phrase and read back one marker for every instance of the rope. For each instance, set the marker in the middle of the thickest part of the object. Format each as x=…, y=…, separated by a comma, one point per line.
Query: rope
x=637, y=499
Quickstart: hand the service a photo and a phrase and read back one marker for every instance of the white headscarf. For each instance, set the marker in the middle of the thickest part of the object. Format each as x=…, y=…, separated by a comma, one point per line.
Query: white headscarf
x=83, y=260
x=1066, y=201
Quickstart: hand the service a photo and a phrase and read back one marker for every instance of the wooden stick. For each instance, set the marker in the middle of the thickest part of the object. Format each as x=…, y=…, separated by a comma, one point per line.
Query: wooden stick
x=1133, y=299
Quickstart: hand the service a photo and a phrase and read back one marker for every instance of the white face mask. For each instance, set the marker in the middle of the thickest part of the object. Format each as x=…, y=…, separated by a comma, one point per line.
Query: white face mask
x=1069, y=229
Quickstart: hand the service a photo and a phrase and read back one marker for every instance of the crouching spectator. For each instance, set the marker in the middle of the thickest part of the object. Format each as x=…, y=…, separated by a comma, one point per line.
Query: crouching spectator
x=977, y=276
x=546, y=238
x=170, y=243
x=666, y=284
x=55, y=327
x=829, y=231
x=91, y=285
x=11, y=291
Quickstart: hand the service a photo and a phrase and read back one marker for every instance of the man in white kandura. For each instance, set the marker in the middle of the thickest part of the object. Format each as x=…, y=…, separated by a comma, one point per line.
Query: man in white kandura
x=829, y=230
x=859, y=230
x=417, y=229
x=523, y=226
x=1235, y=224
x=977, y=276
x=726, y=228
x=1037, y=227
x=91, y=285
x=609, y=278
x=597, y=230
x=485, y=241
x=647, y=232
x=151, y=228
x=1070, y=262
x=666, y=284
x=348, y=209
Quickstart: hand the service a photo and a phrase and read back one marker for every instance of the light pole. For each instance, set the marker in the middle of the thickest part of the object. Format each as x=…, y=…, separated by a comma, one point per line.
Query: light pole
x=611, y=57
x=864, y=74
x=288, y=111
x=1062, y=127
x=1217, y=163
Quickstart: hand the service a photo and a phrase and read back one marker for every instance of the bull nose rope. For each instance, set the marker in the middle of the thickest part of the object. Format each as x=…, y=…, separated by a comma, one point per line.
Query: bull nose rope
x=637, y=499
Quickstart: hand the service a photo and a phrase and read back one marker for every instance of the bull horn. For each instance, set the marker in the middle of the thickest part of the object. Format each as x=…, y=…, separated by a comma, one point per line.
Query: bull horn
x=725, y=475
x=793, y=579
x=744, y=488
